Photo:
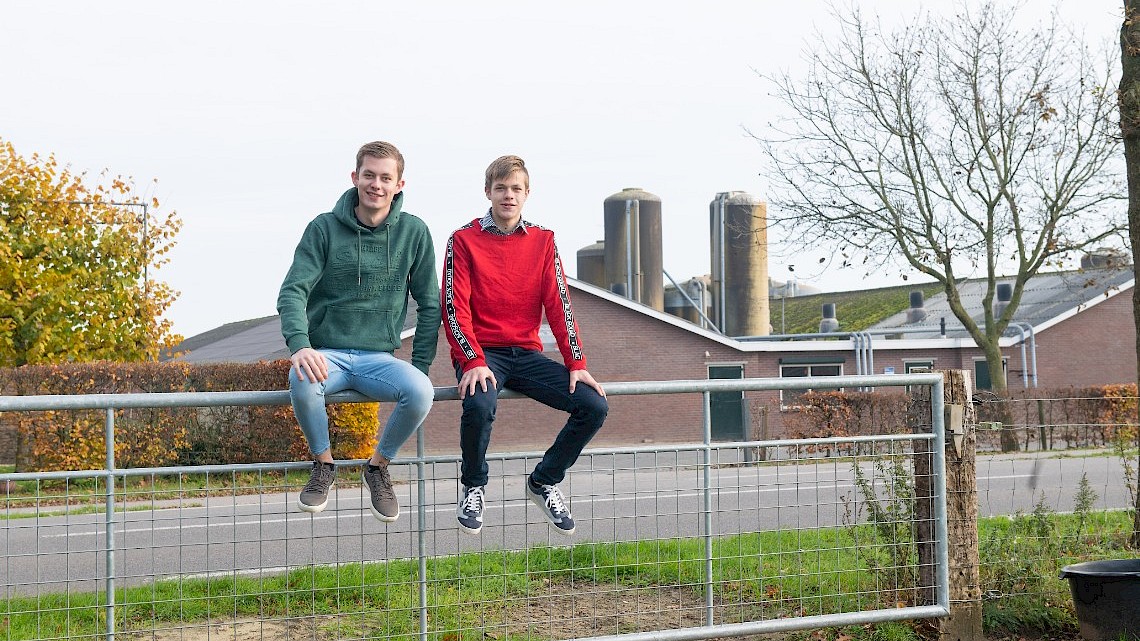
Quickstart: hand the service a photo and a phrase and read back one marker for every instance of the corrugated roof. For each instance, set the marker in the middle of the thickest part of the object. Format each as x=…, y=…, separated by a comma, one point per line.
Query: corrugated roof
x=1046, y=297
x=247, y=341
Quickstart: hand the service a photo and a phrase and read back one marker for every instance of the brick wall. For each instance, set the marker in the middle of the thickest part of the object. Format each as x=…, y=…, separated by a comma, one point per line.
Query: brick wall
x=1091, y=348
x=1095, y=347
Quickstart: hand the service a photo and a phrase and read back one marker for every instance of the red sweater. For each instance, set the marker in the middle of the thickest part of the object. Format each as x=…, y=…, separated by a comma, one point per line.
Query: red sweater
x=495, y=289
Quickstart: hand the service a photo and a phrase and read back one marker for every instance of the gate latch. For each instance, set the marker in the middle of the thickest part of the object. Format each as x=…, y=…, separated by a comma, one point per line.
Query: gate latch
x=955, y=425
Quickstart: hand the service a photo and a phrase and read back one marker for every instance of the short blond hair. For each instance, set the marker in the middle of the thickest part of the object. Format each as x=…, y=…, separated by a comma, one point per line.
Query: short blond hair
x=504, y=166
x=381, y=149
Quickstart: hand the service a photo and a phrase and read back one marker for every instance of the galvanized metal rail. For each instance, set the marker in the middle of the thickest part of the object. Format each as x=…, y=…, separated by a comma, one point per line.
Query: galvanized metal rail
x=112, y=402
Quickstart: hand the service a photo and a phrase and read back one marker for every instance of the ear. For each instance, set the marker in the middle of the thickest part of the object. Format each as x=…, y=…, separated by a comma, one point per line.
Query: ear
x=487, y=191
x=353, y=177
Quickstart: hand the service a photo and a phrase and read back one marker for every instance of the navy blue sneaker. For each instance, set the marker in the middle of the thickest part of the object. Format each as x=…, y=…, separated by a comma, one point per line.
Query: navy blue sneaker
x=470, y=510
x=549, y=498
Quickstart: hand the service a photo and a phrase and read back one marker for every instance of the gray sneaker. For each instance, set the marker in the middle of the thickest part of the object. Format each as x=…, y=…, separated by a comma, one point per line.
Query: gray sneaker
x=315, y=495
x=384, y=505
x=553, y=505
x=470, y=510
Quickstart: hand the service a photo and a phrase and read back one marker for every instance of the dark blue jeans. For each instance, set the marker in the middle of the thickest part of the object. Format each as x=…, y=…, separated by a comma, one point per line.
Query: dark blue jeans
x=546, y=381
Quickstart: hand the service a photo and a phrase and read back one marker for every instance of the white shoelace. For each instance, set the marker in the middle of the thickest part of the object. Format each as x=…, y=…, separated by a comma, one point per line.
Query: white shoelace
x=473, y=502
x=554, y=499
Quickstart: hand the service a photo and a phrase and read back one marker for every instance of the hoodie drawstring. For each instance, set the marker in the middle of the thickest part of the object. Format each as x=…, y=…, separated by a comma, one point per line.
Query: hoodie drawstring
x=359, y=255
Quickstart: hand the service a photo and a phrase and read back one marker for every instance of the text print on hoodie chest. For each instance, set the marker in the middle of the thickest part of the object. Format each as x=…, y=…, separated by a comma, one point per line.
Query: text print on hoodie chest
x=368, y=269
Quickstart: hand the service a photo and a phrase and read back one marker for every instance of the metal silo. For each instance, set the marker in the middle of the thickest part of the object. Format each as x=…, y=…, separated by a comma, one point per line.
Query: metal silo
x=676, y=305
x=592, y=264
x=633, y=257
x=689, y=300
x=739, y=238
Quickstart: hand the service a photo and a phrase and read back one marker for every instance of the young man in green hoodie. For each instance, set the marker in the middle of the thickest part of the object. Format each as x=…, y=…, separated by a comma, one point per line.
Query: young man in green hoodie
x=342, y=307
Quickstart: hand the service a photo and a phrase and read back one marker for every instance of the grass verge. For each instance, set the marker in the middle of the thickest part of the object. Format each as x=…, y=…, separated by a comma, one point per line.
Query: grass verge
x=757, y=576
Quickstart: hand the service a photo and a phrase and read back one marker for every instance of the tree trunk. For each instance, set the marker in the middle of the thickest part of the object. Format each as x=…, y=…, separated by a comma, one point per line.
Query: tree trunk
x=1129, y=96
x=998, y=385
x=965, y=620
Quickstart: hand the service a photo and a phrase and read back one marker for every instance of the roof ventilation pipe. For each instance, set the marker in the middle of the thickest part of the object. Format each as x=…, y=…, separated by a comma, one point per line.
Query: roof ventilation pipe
x=1029, y=373
x=829, y=322
x=1020, y=327
x=1004, y=295
x=916, y=313
x=857, y=341
x=869, y=356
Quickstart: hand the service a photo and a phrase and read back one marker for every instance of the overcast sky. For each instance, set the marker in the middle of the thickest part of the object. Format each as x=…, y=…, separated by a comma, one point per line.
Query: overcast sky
x=249, y=114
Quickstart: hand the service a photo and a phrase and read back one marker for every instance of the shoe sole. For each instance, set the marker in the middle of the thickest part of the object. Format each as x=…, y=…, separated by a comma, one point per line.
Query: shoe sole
x=381, y=517
x=376, y=513
x=540, y=501
x=315, y=509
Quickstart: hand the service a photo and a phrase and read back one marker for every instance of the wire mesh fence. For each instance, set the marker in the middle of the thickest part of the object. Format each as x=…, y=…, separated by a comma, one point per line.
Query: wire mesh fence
x=1066, y=492
x=693, y=540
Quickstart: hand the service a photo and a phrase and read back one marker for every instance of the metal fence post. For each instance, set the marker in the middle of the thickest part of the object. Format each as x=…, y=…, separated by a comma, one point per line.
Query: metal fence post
x=706, y=482
x=421, y=516
x=109, y=437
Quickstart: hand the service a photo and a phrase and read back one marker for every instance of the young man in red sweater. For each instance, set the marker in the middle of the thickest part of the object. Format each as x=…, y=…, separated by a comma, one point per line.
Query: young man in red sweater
x=500, y=274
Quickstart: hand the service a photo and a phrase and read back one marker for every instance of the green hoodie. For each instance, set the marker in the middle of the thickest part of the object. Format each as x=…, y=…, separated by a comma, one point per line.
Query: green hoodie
x=348, y=286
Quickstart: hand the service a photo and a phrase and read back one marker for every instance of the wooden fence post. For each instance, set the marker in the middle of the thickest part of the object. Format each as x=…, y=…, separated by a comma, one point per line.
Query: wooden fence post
x=965, y=620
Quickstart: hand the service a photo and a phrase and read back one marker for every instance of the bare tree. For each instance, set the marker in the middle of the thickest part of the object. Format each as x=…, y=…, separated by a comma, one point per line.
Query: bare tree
x=960, y=146
x=1129, y=94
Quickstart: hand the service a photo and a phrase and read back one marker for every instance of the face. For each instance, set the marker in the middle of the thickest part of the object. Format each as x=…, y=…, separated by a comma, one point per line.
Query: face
x=507, y=196
x=377, y=183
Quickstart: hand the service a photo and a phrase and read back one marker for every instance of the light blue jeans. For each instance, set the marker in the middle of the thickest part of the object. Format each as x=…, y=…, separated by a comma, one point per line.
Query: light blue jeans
x=378, y=375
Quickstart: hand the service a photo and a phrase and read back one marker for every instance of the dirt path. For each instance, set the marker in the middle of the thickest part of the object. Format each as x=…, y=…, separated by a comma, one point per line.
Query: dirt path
x=559, y=611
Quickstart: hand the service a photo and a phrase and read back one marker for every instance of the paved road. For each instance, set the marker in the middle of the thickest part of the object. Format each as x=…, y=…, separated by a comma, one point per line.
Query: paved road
x=614, y=498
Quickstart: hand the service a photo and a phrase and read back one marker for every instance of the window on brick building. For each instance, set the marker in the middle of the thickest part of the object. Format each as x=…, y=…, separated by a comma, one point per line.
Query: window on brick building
x=982, y=373
x=799, y=367
x=727, y=410
x=913, y=367
x=917, y=367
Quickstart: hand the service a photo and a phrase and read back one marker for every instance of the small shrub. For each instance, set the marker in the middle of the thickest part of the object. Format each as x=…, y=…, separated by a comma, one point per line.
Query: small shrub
x=889, y=501
x=829, y=414
x=353, y=429
x=75, y=440
x=154, y=437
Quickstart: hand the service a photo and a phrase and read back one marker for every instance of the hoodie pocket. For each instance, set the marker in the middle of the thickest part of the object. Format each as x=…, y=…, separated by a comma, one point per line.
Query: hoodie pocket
x=353, y=326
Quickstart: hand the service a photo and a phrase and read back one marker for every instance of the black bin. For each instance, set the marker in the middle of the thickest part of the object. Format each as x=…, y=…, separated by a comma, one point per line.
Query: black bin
x=1106, y=596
